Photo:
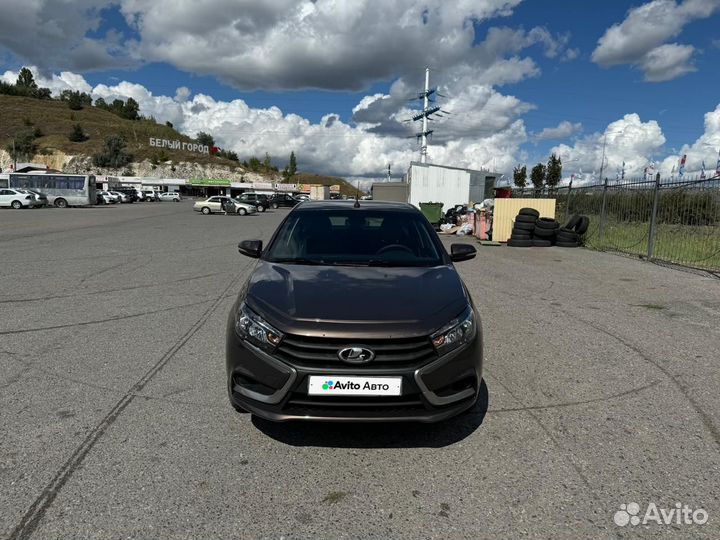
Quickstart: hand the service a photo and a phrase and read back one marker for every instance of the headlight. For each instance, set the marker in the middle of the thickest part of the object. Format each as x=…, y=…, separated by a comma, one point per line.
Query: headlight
x=459, y=332
x=250, y=327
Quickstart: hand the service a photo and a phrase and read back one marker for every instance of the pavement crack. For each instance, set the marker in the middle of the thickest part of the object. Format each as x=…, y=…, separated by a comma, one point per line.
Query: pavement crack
x=603, y=399
x=34, y=514
x=100, y=321
x=705, y=418
x=530, y=411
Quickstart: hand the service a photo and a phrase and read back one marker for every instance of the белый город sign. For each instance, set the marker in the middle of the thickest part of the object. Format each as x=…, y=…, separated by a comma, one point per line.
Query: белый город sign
x=179, y=145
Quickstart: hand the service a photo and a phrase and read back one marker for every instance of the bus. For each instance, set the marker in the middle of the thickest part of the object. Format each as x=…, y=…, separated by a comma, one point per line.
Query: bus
x=62, y=190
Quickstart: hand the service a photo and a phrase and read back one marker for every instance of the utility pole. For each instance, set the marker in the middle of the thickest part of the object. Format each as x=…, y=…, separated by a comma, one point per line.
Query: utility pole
x=427, y=111
x=426, y=101
x=388, y=173
x=602, y=163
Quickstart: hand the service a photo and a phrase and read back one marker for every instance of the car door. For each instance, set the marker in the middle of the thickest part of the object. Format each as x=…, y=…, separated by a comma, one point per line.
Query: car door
x=215, y=204
x=5, y=197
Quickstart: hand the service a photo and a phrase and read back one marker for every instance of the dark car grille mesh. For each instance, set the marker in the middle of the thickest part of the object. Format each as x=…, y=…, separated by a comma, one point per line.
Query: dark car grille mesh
x=306, y=351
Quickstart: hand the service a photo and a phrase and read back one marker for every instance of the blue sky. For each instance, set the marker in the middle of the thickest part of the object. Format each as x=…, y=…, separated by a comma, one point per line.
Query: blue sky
x=587, y=64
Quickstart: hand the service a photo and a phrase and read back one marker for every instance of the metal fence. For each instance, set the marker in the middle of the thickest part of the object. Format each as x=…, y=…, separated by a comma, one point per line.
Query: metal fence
x=675, y=221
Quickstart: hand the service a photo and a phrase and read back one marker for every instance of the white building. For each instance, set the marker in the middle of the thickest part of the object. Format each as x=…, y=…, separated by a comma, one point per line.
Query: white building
x=428, y=182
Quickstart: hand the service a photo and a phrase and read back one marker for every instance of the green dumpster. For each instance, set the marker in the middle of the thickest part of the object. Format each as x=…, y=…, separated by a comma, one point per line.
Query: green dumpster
x=432, y=211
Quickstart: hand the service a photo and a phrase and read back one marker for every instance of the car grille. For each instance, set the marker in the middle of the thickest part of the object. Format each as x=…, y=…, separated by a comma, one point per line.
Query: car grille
x=322, y=352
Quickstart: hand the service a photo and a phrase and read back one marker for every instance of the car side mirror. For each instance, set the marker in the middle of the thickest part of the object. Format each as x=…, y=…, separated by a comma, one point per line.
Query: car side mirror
x=462, y=252
x=251, y=248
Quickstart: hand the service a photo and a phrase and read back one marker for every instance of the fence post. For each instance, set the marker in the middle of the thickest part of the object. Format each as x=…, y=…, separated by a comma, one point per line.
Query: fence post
x=567, y=204
x=653, y=218
x=603, y=215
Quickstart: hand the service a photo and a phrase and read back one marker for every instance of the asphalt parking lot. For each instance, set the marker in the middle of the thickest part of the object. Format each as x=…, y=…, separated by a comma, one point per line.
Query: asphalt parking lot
x=602, y=382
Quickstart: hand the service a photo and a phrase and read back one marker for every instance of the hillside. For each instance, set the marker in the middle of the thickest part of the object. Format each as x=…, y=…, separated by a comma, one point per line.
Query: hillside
x=55, y=120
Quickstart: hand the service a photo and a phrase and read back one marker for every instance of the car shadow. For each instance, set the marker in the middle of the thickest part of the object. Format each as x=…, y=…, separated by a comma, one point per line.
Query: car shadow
x=380, y=435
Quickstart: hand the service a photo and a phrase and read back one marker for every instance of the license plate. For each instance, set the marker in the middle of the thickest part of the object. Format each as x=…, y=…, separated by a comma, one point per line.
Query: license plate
x=335, y=385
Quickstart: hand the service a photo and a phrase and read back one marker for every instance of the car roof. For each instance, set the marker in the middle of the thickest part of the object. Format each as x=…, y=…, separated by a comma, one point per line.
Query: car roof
x=339, y=204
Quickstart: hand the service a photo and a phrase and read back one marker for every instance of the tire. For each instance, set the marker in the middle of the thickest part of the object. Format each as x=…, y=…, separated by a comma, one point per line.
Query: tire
x=544, y=233
x=582, y=226
x=176, y=200
x=260, y=208
x=524, y=218
x=242, y=211
x=521, y=231
x=539, y=242
x=61, y=203
x=524, y=226
x=573, y=222
x=547, y=223
x=274, y=206
x=519, y=243
x=17, y=205
x=520, y=237
x=567, y=244
x=529, y=212
x=564, y=235
x=205, y=210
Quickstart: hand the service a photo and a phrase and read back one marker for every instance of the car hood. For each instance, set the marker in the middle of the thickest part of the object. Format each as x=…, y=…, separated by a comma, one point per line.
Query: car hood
x=370, y=302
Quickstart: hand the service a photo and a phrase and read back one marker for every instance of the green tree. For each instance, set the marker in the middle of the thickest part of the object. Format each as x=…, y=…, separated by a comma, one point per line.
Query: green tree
x=131, y=110
x=205, y=139
x=75, y=100
x=113, y=153
x=537, y=176
x=254, y=164
x=26, y=80
x=169, y=124
x=22, y=146
x=100, y=103
x=41, y=93
x=267, y=162
x=77, y=134
x=520, y=176
x=554, y=172
x=292, y=165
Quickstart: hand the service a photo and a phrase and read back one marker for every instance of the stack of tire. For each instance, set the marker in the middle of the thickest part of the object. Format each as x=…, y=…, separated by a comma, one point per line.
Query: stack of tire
x=531, y=230
x=570, y=235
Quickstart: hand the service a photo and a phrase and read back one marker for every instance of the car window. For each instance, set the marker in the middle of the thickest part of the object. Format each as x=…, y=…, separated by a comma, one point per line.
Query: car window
x=355, y=237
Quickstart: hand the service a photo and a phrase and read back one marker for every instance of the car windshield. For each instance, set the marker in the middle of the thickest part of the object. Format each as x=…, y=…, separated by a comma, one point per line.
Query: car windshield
x=355, y=237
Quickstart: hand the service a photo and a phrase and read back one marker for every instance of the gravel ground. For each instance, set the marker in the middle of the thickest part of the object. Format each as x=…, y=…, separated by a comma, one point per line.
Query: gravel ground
x=601, y=372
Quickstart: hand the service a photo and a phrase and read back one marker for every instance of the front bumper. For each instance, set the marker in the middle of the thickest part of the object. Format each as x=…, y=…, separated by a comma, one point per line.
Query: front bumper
x=277, y=390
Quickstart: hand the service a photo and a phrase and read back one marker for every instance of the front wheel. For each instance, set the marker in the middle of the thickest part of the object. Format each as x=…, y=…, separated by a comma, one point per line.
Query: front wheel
x=61, y=203
x=242, y=211
x=17, y=205
x=206, y=210
x=260, y=208
x=274, y=206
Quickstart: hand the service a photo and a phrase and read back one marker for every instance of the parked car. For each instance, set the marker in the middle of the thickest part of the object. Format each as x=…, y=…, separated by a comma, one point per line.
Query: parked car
x=151, y=196
x=122, y=197
x=102, y=197
x=109, y=196
x=36, y=201
x=283, y=200
x=302, y=197
x=41, y=198
x=170, y=196
x=131, y=193
x=323, y=330
x=259, y=200
x=14, y=198
x=222, y=204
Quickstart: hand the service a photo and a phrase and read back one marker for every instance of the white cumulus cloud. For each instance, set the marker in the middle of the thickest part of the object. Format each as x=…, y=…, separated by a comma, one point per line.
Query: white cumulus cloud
x=640, y=39
x=562, y=131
